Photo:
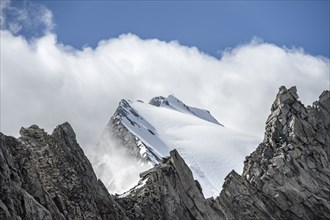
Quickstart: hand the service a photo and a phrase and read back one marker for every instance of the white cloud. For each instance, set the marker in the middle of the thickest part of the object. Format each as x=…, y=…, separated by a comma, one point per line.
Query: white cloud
x=47, y=83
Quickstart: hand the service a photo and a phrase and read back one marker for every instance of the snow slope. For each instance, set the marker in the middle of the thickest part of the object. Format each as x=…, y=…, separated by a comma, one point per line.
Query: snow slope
x=210, y=149
x=176, y=104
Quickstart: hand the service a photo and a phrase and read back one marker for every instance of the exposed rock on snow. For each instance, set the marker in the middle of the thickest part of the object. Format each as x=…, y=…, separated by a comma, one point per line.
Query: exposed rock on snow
x=157, y=101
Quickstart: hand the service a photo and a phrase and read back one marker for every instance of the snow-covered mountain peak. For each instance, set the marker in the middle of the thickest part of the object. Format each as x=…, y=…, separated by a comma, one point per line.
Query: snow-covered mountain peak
x=151, y=130
x=126, y=113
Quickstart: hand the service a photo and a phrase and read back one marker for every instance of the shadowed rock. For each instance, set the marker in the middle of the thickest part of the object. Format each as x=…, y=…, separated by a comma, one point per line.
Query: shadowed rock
x=49, y=177
x=167, y=191
x=288, y=176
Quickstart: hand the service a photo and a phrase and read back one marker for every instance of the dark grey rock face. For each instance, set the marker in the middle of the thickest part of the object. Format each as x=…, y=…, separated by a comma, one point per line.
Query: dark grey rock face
x=167, y=191
x=288, y=176
x=157, y=101
x=15, y=202
x=240, y=200
x=49, y=177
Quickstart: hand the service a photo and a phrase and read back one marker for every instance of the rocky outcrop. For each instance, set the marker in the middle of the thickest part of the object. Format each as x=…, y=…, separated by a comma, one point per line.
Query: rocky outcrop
x=157, y=101
x=15, y=201
x=167, y=191
x=117, y=135
x=49, y=177
x=288, y=176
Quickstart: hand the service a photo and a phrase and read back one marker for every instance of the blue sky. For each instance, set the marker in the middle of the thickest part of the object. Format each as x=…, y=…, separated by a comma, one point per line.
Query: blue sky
x=211, y=26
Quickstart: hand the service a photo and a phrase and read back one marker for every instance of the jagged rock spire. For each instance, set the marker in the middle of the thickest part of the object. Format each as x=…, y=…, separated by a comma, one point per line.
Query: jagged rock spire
x=291, y=166
x=48, y=177
x=168, y=191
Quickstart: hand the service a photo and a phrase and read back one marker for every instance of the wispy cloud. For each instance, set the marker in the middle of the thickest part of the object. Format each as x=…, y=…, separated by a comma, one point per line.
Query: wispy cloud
x=32, y=19
x=116, y=167
x=3, y=5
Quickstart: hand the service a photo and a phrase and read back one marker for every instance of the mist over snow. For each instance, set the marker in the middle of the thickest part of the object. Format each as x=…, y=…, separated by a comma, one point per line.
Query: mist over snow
x=46, y=83
x=118, y=170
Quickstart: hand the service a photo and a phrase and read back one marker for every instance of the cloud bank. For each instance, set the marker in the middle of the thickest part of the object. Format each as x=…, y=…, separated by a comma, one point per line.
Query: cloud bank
x=47, y=83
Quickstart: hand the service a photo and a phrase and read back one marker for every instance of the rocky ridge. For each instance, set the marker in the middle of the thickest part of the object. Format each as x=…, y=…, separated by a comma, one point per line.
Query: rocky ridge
x=117, y=135
x=48, y=176
x=167, y=191
x=116, y=132
x=291, y=166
